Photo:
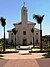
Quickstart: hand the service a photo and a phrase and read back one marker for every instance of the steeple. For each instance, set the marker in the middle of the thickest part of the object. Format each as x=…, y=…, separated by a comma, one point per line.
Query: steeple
x=24, y=14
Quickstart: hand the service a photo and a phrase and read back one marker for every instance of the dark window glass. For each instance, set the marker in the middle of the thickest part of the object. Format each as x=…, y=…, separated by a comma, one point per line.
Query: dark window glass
x=36, y=33
x=24, y=32
x=37, y=41
x=24, y=10
x=11, y=41
x=11, y=33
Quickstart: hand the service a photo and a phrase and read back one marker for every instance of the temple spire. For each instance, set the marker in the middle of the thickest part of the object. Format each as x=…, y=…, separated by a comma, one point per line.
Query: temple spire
x=24, y=15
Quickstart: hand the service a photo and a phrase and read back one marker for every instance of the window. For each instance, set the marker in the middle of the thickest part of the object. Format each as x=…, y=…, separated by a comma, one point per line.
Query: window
x=24, y=13
x=24, y=10
x=24, y=32
x=36, y=33
x=11, y=33
x=24, y=41
x=37, y=41
x=11, y=41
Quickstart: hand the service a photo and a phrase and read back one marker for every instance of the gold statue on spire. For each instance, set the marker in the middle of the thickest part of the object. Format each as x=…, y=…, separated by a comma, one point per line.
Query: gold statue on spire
x=24, y=4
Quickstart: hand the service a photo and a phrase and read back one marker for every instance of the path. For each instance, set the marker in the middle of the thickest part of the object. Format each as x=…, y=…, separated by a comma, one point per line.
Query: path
x=24, y=59
x=25, y=62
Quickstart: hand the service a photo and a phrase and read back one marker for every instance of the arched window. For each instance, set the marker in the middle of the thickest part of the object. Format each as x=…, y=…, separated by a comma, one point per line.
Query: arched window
x=24, y=32
x=37, y=41
x=36, y=33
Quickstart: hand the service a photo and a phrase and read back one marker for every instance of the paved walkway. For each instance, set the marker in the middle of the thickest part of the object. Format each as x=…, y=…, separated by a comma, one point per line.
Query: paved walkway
x=25, y=62
x=24, y=59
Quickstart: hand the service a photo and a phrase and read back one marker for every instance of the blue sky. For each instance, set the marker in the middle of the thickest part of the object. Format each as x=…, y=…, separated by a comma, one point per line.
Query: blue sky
x=11, y=10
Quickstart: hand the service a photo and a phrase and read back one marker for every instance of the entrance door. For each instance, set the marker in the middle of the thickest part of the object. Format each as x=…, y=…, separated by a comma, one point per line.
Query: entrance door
x=24, y=42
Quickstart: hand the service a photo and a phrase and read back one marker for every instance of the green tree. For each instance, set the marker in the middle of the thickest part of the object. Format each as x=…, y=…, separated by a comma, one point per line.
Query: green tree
x=3, y=23
x=39, y=19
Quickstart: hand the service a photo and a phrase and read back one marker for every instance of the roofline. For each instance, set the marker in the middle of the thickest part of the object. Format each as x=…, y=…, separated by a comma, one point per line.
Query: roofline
x=9, y=31
x=37, y=30
x=17, y=23
x=31, y=23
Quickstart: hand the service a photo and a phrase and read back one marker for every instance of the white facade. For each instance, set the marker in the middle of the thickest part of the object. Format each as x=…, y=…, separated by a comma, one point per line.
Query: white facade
x=24, y=35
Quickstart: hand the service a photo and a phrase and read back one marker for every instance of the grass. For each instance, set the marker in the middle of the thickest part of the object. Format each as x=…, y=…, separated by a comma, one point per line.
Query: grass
x=4, y=52
x=47, y=55
x=1, y=55
x=38, y=51
x=9, y=51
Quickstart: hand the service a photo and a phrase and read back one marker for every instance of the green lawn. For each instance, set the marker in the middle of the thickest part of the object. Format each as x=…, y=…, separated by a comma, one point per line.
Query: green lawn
x=1, y=55
x=47, y=55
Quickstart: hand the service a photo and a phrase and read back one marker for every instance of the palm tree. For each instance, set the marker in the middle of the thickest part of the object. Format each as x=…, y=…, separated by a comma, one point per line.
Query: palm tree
x=39, y=19
x=14, y=31
x=3, y=23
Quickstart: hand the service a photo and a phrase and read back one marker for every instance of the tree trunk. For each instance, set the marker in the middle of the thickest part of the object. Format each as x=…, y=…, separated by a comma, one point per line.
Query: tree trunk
x=33, y=40
x=15, y=41
x=4, y=40
x=40, y=37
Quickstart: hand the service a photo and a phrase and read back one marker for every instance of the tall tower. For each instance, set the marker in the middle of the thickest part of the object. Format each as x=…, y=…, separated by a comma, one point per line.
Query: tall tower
x=24, y=14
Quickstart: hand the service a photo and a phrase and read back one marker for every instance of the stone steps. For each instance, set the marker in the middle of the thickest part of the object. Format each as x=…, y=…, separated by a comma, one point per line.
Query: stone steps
x=24, y=52
x=24, y=47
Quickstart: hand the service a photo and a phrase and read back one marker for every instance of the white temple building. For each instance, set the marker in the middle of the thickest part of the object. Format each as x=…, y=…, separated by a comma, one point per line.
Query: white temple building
x=24, y=36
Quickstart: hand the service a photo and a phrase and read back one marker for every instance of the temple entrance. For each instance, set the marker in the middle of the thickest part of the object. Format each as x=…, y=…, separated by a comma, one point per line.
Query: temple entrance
x=24, y=42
